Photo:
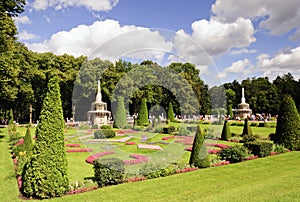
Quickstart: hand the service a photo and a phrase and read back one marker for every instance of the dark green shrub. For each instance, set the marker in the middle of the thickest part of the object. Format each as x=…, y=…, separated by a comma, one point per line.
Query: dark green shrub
x=95, y=126
x=108, y=171
x=254, y=124
x=106, y=127
x=45, y=174
x=279, y=148
x=261, y=149
x=104, y=133
x=120, y=120
x=226, y=134
x=247, y=129
x=170, y=113
x=199, y=155
x=288, y=125
x=183, y=131
x=261, y=124
x=142, y=119
x=151, y=171
x=169, y=130
x=233, y=154
x=250, y=138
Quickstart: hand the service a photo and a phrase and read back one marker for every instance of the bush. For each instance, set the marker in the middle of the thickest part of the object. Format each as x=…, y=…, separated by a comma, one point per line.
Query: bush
x=233, y=154
x=142, y=119
x=226, y=134
x=95, y=126
x=260, y=149
x=106, y=127
x=170, y=112
x=151, y=171
x=169, y=130
x=108, y=171
x=250, y=138
x=104, y=133
x=120, y=115
x=247, y=129
x=279, y=149
x=183, y=131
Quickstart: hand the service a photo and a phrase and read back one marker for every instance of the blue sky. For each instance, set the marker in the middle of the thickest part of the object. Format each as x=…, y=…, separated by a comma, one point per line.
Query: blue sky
x=225, y=39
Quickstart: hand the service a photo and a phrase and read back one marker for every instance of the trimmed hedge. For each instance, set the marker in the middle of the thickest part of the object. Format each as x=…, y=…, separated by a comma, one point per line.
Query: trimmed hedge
x=169, y=130
x=108, y=171
x=104, y=133
x=233, y=154
x=260, y=149
x=106, y=127
x=226, y=134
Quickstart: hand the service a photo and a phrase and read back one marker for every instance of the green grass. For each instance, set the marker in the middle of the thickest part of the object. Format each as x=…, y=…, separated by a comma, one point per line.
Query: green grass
x=275, y=178
x=8, y=184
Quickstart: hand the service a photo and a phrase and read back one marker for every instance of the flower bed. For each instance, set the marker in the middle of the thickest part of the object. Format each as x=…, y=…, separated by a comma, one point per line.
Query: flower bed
x=136, y=179
x=130, y=143
x=252, y=157
x=186, y=170
x=222, y=146
x=73, y=145
x=222, y=163
x=168, y=137
x=213, y=151
x=138, y=158
x=81, y=190
x=79, y=150
x=93, y=157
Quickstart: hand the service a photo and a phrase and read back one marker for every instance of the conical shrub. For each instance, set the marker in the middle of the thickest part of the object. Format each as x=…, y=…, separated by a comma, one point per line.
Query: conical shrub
x=171, y=112
x=45, y=175
x=142, y=119
x=120, y=115
x=226, y=134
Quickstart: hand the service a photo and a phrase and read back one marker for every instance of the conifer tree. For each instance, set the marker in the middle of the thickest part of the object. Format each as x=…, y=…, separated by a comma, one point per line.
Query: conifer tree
x=226, y=134
x=288, y=125
x=28, y=144
x=142, y=118
x=199, y=155
x=120, y=116
x=247, y=129
x=45, y=175
x=170, y=112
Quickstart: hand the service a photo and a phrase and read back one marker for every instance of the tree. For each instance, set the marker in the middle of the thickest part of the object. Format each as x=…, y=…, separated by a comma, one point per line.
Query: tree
x=45, y=175
x=142, y=118
x=247, y=129
x=120, y=115
x=171, y=112
x=12, y=7
x=199, y=155
x=28, y=144
x=226, y=134
x=288, y=125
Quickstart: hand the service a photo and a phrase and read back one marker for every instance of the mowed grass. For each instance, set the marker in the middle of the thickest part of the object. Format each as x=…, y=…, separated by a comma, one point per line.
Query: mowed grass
x=274, y=178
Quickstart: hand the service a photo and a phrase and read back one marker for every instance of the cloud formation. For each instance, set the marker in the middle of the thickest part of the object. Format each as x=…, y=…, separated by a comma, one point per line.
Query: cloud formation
x=238, y=67
x=93, y=5
x=24, y=35
x=22, y=20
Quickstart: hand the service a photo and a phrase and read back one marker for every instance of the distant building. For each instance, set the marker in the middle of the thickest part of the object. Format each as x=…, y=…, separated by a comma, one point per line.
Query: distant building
x=243, y=111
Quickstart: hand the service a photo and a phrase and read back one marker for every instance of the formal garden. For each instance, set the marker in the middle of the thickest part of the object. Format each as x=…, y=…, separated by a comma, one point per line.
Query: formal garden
x=52, y=160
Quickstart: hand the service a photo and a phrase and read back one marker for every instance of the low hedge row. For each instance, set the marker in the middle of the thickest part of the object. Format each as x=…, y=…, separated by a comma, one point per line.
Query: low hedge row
x=104, y=133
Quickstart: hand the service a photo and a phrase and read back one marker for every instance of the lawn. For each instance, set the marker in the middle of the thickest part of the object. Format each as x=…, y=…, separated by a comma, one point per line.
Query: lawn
x=274, y=178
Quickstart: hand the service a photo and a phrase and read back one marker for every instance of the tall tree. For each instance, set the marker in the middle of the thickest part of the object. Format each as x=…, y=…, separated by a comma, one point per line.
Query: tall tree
x=12, y=7
x=45, y=175
x=288, y=125
x=199, y=155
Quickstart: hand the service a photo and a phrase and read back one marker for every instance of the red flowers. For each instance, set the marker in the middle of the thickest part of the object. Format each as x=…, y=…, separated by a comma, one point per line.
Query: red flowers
x=186, y=170
x=130, y=143
x=138, y=158
x=93, y=157
x=136, y=179
x=252, y=157
x=221, y=163
x=79, y=150
x=168, y=137
x=20, y=142
x=73, y=145
x=222, y=146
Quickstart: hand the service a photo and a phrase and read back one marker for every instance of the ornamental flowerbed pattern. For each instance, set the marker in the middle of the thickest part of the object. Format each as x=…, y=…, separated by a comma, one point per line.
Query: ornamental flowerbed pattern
x=93, y=157
x=138, y=158
x=73, y=145
x=79, y=150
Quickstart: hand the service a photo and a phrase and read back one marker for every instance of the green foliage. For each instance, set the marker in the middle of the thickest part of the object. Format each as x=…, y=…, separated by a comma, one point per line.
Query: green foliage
x=250, y=138
x=169, y=129
x=11, y=118
x=108, y=171
x=183, y=131
x=233, y=154
x=247, y=129
x=142, y=119
x=28, y=144
x=279, y=148
x=12, y=7
x=104, y=133
x=261, y=149
x=45, y=175
x=199, y=155
x=288, y=125
x=120, y=115
x=171, y=112
x=105, y=127
x=151, y=171
x=226, y=134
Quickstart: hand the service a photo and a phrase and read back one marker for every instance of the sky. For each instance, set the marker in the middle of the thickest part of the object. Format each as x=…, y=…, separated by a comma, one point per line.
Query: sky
x=226, y=39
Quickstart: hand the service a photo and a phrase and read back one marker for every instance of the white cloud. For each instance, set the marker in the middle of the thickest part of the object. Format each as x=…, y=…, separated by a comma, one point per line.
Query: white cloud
x=214, y=37
x=26, y=36
x=22, y=20
x=277, y=16
x=238, y=67
x=242, y=51
x=107, y=40
x=94, y=5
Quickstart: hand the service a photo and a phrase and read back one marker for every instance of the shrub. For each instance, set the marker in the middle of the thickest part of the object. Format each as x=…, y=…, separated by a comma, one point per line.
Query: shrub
x=151, y=171
x=183, y=131
x=120, y=115
x=199, y=155
x=288, y=125
x=104, y=133
x=279, y=149
x=254, y=124
x=169, y=130
x=142, y=119
x=226, y=134
x=250, y=138
x=45, y=175
x=261, y=149
x=247, y=129
x=108, y=171
x=95, y=126
x=170, y=112
x=106, y=127
x=233, y=154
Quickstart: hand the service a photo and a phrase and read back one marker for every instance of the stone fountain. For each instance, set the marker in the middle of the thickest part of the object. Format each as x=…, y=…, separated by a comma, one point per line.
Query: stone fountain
x=243, y=111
